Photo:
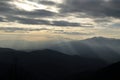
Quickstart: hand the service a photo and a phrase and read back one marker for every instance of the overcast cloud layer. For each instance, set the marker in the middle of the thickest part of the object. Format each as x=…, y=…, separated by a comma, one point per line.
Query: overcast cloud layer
x=87, y=14
x=96, y=8
x=80, y=8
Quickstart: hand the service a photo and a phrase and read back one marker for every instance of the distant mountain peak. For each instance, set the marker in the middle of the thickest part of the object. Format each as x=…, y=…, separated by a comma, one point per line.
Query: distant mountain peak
x=99, y=38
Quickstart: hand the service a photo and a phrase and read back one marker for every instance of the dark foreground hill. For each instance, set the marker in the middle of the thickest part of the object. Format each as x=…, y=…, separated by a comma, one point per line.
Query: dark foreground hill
x=111, y=72
x=42, y=65
x=47, y=65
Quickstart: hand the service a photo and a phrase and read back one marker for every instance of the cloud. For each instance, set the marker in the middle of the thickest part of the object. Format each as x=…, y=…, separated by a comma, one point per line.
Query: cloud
x=28, y=17
x=11, y=29
x=96, y=8
x=5, y=6
x=71, y=33
x=115, y=25
x=16, y=15
x=23, y=20
x=87, y=25
x=103, y=20
x=36, y=13
x=64, y=23
x=2, y=19
x=44, y=2
x=16, y=29
x=8, y=9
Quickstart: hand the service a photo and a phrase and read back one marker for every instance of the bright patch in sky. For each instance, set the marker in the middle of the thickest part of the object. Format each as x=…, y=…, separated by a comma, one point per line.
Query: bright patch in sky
x=27, y=5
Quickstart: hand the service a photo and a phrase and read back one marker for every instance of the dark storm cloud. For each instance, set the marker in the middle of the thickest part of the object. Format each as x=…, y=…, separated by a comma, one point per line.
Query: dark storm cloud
x=33, y=21
x=27, y=20
x=5, y=6
x=64, y=23
x=96, y=8
x=36, y=13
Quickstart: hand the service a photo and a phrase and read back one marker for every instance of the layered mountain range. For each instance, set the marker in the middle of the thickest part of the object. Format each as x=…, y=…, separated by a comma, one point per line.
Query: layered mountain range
x=95, y=58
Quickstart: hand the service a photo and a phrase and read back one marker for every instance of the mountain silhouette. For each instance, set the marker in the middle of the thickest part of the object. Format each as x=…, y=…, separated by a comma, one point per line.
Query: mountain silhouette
x=91, y=61
x=43, y=64
x=111, y=72
x=107, y=49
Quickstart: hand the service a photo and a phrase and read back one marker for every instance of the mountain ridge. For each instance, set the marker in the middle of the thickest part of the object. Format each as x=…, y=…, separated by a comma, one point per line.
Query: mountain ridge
x=46, y=65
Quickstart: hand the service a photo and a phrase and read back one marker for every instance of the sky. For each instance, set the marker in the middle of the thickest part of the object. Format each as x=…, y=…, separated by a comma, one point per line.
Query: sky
x=46, y=20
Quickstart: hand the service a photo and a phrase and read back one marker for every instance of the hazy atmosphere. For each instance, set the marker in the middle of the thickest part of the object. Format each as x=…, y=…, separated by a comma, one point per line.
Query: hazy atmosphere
x=59, y=39
x=47, y=21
